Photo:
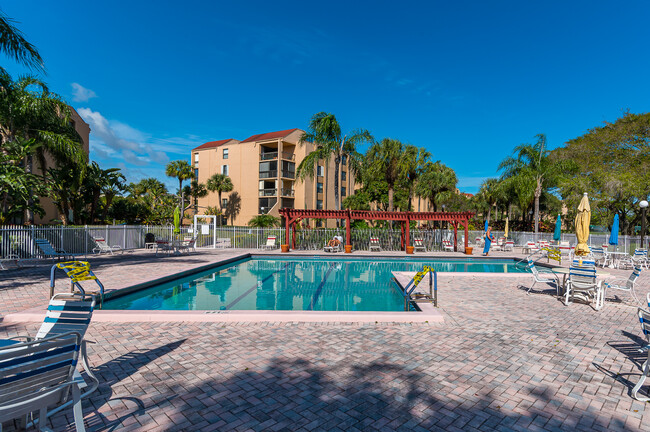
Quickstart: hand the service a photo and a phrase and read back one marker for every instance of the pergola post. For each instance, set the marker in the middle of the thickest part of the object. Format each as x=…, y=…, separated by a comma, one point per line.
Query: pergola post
x=286, y=229
x=347, y=231
x=466, y=233
x=455, y=236
x=293, y=235
x=407, y=224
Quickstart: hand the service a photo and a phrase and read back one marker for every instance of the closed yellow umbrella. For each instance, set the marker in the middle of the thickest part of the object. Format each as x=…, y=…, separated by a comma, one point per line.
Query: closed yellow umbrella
x=583, y=219
x=505, y=232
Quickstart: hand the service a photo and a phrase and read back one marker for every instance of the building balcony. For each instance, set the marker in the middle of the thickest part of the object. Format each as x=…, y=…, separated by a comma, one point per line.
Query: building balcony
x=274, y=155
x=268, y=192
x=268, y=174
x=287, y=192
x=288, y=174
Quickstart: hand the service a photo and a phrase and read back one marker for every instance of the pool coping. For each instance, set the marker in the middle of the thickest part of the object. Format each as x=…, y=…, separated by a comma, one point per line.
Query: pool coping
x=428, y=313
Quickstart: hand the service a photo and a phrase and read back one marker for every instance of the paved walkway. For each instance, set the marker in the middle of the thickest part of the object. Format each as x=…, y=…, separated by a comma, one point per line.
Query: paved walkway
x=503, y=360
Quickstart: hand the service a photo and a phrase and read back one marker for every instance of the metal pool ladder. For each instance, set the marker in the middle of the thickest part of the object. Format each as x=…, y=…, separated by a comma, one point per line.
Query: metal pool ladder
x=413, y=284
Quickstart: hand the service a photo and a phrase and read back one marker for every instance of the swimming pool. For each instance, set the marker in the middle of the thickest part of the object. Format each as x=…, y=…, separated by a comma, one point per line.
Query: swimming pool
x=308, y=284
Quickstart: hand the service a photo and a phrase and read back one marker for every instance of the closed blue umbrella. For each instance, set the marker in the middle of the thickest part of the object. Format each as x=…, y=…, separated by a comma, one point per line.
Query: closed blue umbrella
x=486, y=225
x=613, y=236
x=558, y=229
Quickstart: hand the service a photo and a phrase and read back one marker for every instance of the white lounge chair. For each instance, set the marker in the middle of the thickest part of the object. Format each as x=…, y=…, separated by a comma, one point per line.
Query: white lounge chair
x=39, y=374
x=12, y=258
x=626, y=284
x=187, y=245
x=447, y=246
x=509, y=246
x=418, y=245
x=644, y=319
x=334, y=249
x=374, y=244
x=543, y=278
x=270, y=243
x=583, y=284
x=102, y=246
x=50, y=252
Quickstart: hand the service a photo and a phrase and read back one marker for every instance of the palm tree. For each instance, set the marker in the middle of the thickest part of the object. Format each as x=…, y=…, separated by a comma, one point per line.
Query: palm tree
x=219, y=183
x=181, y=170
x=28, y=111
x=325, y=133
x=14, y=45
x=436, y=180
x=114, y=185
x=415, y=162
x=386, y=159
x=195, y=190
x=489, y=193
x=532, y=162
x=264, y=221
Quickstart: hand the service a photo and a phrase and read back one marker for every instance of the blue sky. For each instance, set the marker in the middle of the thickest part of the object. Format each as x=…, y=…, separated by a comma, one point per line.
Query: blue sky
x=467, y=80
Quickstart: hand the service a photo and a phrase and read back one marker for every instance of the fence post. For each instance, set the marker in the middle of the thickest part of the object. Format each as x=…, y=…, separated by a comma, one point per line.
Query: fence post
x=124, y=243
x=214, y=232
x=86, y=240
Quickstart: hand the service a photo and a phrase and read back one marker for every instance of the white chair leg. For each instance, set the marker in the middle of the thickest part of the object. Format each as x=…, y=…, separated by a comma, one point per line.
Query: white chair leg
x=531, y=287
x=77, y=411
x=637, y=387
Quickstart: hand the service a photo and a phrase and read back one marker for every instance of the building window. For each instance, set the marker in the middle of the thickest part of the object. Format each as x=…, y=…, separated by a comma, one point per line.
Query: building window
x=343, y=191
x=344, y=175
x=225, y=153
x=196, y=157
x=224, y=202
x=196, y=174
x=319, y=187
x=344, y=159
x=320, y=171
x=319, y=204
x=224, y=169
x=319, y=223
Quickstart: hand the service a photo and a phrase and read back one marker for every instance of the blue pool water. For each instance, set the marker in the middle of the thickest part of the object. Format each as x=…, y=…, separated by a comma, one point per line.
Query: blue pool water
x=323, y=284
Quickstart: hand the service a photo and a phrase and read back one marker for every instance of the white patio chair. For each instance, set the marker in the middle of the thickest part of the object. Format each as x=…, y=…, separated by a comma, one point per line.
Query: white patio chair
x=509, y=246
x=600, y=256
x=39, y=374
x=418, y=245
x=447, y=246
x=102, y=246
x=640, y=258
x=374, y=244
x=187, y=245
x=582, y=284
x=626, y=284
x=12, y=258
x=270, y=243
x=644, y=319
x=543, y=277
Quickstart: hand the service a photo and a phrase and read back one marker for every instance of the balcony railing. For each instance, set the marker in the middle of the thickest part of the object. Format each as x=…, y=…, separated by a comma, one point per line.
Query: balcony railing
x=268, y=192
x=274, y=155
x=288, y=174
x=268, y=174
x=287, y=192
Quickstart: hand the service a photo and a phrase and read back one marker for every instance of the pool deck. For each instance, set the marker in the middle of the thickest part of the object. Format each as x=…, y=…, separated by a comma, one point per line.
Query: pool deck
x=501, y=360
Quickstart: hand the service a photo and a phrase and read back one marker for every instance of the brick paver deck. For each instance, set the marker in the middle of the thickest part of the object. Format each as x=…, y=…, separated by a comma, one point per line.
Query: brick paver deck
x=503, y=360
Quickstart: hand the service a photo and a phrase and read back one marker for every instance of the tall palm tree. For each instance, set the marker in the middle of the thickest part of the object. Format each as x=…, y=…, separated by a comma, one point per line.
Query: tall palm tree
x=436, y=180
x=489, y=193
x=532, y=162
x=114, y=185
x=181, y=170
x=14, y=45
x=415, y=162
x=324, y=132
x=195, y=190
x=219, y=183
x=386, y=159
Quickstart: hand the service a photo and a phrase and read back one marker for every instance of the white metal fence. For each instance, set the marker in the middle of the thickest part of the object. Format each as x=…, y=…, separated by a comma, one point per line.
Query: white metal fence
x=19, y=240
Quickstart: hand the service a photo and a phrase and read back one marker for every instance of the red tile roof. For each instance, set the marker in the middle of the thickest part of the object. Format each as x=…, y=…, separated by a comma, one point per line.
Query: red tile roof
x=212, y=144
x=270, y=135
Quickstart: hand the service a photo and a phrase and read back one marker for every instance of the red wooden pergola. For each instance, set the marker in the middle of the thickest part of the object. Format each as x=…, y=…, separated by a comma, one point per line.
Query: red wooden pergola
x=292, y=216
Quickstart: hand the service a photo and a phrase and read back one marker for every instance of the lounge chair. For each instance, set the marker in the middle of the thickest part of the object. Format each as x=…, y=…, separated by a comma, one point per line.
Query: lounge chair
x=583, y=284
x=530, y=247
x=538, y=277
x=39, y=374
x=270, y=243
x=644, y=319
x=509, y=245
x=626, y=284
x=102, y=246
x=337, y=248
x=374, y=244
x=418, y=245
x=12, y=258
x=50, y=252
x=447, y=246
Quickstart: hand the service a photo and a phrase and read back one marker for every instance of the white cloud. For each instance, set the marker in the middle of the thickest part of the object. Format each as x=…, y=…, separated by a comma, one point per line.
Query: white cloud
x=81, y=93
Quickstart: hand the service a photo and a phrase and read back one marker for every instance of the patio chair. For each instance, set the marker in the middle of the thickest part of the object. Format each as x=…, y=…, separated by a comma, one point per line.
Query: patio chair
x=102, y=246
x=582, y=284
x=538, y=277
x=270, y=243
x=478, y=241
x=447, y=246
x=509, y=246
x=640, y=258
x=644, y=319
x=334, y=249
x=600, y=256
x=50, y=252
x=39, y=374
x=187, y=245
x=626, y=284
x=374, y=244
x=418, y=245
x=530, y=246
x=12, y=258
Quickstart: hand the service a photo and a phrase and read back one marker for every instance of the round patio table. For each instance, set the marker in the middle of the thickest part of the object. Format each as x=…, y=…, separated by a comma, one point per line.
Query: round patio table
x=617, y=258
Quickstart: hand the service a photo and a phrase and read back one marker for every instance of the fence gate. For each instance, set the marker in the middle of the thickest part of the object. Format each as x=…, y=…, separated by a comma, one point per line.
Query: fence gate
x=205, y=231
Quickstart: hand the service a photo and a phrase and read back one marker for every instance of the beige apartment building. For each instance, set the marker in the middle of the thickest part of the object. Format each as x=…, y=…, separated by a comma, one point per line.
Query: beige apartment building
x=262, y=169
